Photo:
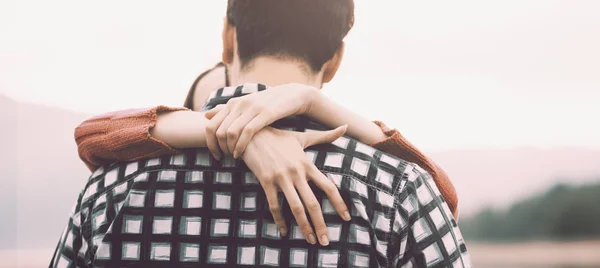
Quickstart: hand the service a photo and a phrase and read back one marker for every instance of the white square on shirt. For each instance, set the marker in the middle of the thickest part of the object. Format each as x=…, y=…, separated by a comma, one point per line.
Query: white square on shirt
x=178, y=160
x=360, y=166
x=249, y=88
x=164, y=198
x=246, y=256
x=385, y=199
x=91, y=191
x=421, y=230
x=162, y=225
x=141, y=177
x=359, y=235
x=249, y=178
x=298, y=257
x=160, y=251
x=327, y=207
x=222, y=201
x=341, y=142
x=359, y=259
x=202, y=159
x=131, y=168
x=297, y=233
x=432, y=254
x=193, y=199
x=360, y=188
x=381, y=222
x=437, y=218
x=153, y=162
x=270, y=230
x=190, y=225
x=360, y=147
x=111, y=177
x=328, y=258
x=390, y=161
x=384, y=178
x=189, y=252
x=449, y=243
x=132, y=224
x=334, y=160
x=131, y=251
x=217, y=254
x=103, y=251
x=194, y=177
x=270, y=256
x=167, y=175
x=424, y=195
x=119, y=189
x=223, y=178
x=220, y=227
x=248, y=202
x=334, y=232
x=247, y=228
x=228, y=91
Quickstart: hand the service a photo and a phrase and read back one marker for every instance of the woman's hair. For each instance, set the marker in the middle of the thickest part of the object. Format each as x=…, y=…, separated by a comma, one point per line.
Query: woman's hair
x=189, y=100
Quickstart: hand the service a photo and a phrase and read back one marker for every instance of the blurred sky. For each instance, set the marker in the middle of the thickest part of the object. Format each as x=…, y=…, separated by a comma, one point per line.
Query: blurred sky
x=449, y=75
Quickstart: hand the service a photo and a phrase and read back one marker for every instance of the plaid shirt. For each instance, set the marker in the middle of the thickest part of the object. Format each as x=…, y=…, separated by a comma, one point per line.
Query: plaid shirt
x=190, y=210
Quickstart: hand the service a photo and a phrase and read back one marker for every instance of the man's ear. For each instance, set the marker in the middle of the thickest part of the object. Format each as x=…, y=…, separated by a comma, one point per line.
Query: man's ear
x=331, y=67
x=228, y=42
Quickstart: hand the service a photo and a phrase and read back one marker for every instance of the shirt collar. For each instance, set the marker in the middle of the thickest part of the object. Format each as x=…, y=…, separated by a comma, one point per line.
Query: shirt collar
x=223, y=95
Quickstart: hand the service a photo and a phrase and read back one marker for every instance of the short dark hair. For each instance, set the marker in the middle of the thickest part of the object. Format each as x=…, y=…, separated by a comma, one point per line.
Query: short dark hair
x=307, y=30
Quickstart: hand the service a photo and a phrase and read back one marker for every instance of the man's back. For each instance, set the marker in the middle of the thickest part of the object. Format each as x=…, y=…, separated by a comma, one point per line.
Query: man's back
x=190, y=209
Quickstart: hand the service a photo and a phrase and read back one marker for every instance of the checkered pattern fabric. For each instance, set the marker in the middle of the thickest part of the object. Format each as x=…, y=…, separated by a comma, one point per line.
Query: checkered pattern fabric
x=190, y=210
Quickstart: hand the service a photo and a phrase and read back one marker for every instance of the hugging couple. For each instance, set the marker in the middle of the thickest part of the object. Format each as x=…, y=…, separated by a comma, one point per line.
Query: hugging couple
x=259, y=168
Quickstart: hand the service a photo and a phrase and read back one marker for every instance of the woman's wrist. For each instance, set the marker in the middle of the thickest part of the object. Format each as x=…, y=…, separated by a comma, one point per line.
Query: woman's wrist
x=315, y=103
x=181, y=129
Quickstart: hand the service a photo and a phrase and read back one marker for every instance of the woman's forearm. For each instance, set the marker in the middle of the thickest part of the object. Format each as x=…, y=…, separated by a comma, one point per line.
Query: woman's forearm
x=181, y=129
x=331, y=114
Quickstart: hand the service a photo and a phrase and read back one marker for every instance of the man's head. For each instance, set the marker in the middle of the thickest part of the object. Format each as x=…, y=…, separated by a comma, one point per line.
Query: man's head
x=309, y=33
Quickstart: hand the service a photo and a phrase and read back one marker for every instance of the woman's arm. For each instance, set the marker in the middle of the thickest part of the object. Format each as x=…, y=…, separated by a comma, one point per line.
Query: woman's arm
x=330, y=114
x=136, y=134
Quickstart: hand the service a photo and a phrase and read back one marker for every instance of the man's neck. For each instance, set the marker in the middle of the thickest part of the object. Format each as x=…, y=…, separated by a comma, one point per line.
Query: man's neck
x=274, y=72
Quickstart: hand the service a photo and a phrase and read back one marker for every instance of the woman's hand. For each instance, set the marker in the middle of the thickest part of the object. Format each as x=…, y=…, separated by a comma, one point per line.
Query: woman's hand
x=277, y=159
x=233, y=125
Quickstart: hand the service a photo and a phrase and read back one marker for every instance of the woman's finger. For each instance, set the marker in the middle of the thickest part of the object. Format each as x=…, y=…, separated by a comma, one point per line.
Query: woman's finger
x=314, y=210
x=212, y=112
x=299, y=213
x=311, y=138
x=275, y=208
x=234, y=132
x=222, y=131
x=260, y=121
x=332, y=192
x=211, y=132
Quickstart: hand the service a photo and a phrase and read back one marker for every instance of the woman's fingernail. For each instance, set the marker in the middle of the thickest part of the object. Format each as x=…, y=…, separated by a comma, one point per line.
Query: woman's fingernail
x=283, y=231
x=325, y=240
x=347, y=215
x=236, y=154
x=312, y=239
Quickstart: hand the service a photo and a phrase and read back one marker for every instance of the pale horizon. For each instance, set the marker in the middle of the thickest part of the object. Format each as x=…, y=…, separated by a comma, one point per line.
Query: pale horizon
x=490, y=75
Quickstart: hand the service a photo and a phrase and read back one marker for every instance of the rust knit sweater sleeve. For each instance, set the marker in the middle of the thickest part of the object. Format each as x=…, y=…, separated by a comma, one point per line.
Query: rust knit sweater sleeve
x=121, y=136
x=397, y=145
